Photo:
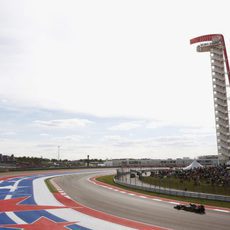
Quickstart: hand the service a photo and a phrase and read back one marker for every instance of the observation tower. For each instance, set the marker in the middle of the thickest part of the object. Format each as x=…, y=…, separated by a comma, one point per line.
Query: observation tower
x=215, y=45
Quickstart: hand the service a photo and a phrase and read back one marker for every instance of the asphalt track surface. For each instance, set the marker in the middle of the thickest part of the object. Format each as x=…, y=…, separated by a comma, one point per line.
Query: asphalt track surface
x=26, y=203
x=148, y=211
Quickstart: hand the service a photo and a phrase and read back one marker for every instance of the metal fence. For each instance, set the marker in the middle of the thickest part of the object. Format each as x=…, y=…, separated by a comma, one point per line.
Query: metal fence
x=124, y=178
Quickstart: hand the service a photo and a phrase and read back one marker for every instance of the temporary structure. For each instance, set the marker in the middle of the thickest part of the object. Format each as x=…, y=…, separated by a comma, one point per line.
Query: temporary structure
x=193, y=165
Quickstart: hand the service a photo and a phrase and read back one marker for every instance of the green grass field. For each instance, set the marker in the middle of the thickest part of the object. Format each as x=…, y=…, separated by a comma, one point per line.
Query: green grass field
x=50, y=186
x=172, y=182
x=109, y=180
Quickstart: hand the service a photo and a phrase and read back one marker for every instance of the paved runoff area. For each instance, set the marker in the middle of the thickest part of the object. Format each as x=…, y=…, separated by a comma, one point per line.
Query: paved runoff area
x=27, y=203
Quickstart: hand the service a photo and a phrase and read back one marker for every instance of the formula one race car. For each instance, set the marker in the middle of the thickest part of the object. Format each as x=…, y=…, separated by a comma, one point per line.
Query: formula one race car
x=191, y=208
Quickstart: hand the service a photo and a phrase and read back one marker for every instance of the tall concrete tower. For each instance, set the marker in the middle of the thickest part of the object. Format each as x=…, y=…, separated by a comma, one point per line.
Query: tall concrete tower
x=215, y=45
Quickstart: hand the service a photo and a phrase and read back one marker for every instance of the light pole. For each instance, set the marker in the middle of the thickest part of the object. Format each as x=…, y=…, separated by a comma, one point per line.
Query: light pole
x=58, y=152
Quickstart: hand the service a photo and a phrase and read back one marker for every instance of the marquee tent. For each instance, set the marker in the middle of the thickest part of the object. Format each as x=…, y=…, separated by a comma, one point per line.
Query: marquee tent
x=193, y=165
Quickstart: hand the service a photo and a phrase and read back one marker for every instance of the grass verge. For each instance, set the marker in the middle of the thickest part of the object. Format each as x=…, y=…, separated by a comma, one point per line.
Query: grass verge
x=176, y=183
x=109, y=180
x=50, y=185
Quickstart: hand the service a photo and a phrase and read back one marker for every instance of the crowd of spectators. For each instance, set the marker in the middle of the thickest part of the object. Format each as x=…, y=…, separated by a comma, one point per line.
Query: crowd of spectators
x=216, y=176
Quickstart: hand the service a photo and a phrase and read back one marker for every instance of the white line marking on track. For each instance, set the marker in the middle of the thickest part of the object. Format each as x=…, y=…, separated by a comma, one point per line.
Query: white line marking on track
x=14, y=187
x=39, y=189
x=86, y=221
x=221, y=210
x=171, y=202
x=143, y=197
x=15, y=218
x=156, y=199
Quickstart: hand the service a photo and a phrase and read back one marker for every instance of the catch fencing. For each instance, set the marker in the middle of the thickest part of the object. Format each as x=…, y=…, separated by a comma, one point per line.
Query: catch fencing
x=124, y=178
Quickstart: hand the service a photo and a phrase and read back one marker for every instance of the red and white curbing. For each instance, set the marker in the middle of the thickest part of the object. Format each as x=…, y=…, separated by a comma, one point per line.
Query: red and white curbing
x=60, y=190
x=175, y=202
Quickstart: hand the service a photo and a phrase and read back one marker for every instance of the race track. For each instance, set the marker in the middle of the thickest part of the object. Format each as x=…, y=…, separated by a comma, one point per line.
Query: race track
x=137, y=208
x=27, y=204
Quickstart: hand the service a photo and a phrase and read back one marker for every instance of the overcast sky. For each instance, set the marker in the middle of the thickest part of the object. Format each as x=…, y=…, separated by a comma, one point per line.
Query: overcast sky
x=107, y=78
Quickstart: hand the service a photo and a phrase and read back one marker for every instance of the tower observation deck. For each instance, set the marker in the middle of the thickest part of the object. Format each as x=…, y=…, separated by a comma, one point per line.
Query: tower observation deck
x=215, y=45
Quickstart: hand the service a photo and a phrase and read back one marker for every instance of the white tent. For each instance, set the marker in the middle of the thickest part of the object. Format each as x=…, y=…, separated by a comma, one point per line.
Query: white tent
x=193, y=165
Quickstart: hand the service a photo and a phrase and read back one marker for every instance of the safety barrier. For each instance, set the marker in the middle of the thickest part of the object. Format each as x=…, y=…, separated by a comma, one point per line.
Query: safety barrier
x=175, y=192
